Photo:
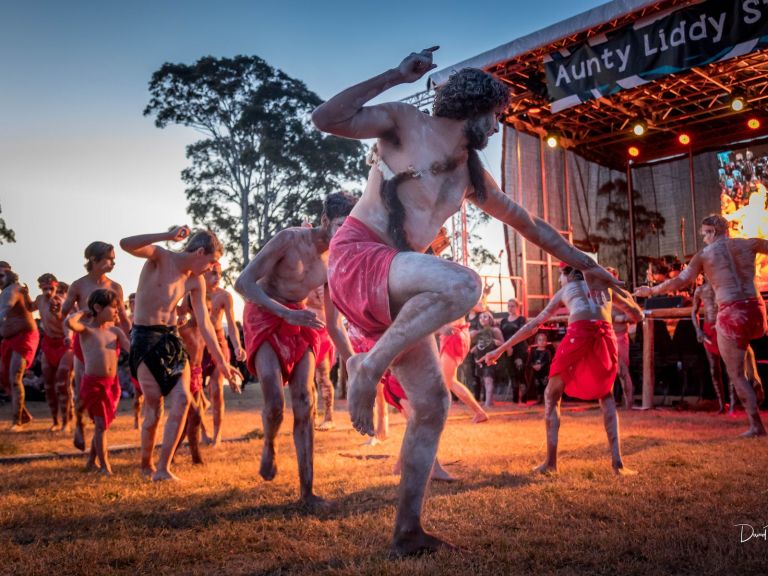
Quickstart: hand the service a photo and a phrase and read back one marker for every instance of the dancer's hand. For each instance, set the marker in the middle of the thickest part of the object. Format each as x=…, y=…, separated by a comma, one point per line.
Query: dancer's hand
x=240, y=354
x=234, y=378
x=491, y=358
x=643, y=292
x=599, y=280
x=414, y=66
x=179, y=233
x=304, y=318
x=702, y=338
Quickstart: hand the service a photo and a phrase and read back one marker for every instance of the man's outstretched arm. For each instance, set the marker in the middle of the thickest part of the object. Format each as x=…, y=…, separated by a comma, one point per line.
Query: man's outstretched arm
x=142, y=246
x=346, y=114
x=539, y=232
x=685, y=278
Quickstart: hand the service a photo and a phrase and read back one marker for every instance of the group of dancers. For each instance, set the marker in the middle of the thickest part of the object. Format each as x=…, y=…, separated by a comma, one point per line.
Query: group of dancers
x=370, y=257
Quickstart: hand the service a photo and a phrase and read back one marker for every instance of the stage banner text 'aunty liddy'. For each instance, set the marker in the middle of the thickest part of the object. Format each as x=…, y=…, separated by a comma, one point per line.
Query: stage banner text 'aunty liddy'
x=649, y=49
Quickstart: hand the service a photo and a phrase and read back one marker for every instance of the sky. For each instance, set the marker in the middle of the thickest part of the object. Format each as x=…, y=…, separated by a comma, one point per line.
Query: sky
x=78, y=160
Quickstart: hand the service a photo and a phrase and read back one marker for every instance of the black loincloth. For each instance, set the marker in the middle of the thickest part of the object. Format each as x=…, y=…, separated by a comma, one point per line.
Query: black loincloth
x=162, y=351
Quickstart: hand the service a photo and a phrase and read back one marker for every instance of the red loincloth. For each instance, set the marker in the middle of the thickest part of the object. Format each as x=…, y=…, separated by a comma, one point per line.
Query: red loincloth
x=622, y=343
x=54, y=349
x=710, y=331
x=289, y=342
x=78, y=350
x=393, y=391
x=742, y=320
x=208, y=364
x=23, y=343
x=587, y=359
x=456, y=344
x=100, y=396
x=358, y=276
x=325, y=349
x=195, y=379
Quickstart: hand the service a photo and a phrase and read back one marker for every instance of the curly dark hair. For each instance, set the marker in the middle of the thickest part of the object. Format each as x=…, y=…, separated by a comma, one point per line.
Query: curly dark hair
x=572, y=273
x=470, y=92
x=718, y=222
x=338, y=204
x=103, y=298
x=47, y=278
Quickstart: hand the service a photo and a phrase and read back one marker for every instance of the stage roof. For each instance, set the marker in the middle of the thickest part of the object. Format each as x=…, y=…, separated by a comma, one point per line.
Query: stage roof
x=695, y=101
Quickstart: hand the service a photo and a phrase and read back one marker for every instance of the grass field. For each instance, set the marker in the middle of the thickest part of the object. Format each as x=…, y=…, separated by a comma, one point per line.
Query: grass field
x=696, y=481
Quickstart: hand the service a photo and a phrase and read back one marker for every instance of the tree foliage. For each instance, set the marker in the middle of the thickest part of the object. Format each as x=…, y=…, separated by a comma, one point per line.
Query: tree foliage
x=611, y=234
x=7, y=236
x=261, y=166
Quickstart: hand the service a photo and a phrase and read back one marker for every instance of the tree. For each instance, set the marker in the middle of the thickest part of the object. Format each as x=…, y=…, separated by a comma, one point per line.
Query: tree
x=261, y=165
x=612, y=232
x=7, y=236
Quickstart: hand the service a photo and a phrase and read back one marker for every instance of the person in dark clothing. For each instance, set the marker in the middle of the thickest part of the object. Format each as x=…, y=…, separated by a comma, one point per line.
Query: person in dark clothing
x=537, y=369
x=515, y=359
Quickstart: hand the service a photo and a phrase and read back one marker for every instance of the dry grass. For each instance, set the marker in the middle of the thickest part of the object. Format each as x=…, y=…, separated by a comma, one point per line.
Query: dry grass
x=677, y=517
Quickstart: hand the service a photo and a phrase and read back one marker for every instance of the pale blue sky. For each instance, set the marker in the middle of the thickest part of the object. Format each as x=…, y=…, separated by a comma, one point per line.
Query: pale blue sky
x=79, y=162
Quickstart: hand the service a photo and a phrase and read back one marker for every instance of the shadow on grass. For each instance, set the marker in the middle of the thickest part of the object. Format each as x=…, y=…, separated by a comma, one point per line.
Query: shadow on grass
x=184, y=513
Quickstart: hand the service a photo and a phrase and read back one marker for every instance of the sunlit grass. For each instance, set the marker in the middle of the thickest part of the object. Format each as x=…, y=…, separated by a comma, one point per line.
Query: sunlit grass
x=676, y=517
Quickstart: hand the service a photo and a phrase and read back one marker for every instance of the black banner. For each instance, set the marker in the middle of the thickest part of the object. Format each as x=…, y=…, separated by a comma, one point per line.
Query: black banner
x=646, y=50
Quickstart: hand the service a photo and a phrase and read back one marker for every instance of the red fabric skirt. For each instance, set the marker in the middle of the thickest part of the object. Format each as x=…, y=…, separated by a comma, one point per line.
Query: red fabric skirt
x=456, y=344
x=195, y=379
x=23, y=343
x=100, y=395
x=742, y=320
x=325, y=349
x=54, y=349
x=393, y=391
x=289, y=342
x=710, y=331
x=587, y=359
x=358, y=276
x=209, y=365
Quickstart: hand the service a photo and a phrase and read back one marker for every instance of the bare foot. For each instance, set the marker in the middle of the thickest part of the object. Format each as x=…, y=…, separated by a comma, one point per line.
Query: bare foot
x=417, y=543
x=90, y=466
x=622, y=471
x=268, y=468
x=361, y=394
x=316, y=505
x=79, y=440
x=440, y=474
x=55, y=427
x=372, y=441
x=545, y=468
x=147, y=471
x=480, y=417
x=753, y=433
x=205, y=440
x=16, y=428
x=162, y=475
x=214, y=442
x=325, y=425
x=26, y=417
x=105, y=472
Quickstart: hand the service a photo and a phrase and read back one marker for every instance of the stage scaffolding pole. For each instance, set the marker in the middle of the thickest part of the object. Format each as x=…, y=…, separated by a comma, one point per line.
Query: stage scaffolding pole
x=632, y=246
x=693, y=202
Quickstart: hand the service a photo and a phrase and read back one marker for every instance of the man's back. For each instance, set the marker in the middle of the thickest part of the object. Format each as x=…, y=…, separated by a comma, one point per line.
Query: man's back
x=729, y=264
